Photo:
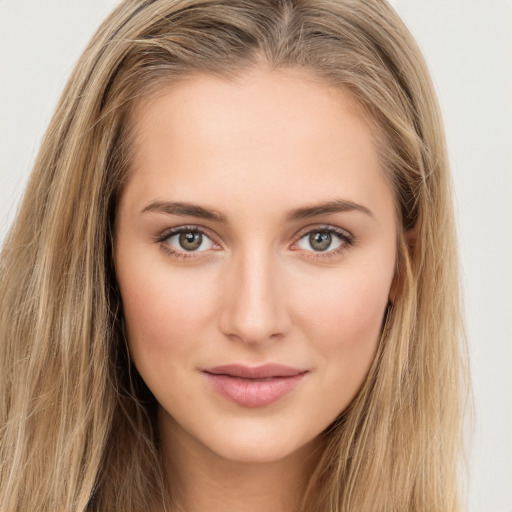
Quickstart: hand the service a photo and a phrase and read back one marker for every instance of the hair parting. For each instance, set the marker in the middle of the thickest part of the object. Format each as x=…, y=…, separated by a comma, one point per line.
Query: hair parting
x=77, y=421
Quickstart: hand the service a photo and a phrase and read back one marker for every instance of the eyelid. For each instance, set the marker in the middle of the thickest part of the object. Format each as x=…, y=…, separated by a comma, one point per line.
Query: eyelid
x=167, y=233
x=347, y=241
x=346, y=236
x=343, y=233
x=182, y=254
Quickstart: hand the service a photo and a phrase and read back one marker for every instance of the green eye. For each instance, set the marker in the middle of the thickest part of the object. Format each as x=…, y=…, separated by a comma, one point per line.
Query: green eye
x=186, y=240
x=324, y=240
x=320, y=241
x=190, y=241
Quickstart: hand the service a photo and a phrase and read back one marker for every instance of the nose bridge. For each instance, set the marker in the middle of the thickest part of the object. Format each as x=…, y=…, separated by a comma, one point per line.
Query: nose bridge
x=254, y=310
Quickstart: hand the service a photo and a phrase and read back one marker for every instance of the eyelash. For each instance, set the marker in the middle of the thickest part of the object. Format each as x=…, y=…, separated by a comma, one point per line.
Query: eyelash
x=347, y=240
x=161, y=239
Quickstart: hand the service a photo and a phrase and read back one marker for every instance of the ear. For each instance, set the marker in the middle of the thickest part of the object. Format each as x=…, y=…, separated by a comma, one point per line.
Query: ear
x=411, y=236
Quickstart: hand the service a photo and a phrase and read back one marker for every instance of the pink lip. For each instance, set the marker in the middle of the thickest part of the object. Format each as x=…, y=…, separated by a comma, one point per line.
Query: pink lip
x=254, y=386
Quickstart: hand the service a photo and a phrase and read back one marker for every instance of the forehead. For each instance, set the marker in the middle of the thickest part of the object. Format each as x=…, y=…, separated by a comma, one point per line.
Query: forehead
x=267, y=132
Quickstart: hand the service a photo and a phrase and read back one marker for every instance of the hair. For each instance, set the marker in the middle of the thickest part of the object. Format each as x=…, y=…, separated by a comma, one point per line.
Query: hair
x=77, y=422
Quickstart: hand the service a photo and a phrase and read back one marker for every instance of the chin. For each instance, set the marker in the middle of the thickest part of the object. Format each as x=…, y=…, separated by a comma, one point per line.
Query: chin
x=251, y=453
x=256, y=445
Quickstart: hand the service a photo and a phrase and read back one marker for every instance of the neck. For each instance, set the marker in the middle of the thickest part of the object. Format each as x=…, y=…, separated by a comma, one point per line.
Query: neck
x=200, y=479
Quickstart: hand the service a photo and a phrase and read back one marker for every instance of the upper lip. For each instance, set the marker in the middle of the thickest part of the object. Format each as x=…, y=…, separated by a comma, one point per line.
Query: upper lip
x=255, y=372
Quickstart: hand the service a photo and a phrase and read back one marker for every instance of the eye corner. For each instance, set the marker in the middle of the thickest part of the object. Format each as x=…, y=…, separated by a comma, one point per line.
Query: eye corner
x=342, y=239
x=169, y=241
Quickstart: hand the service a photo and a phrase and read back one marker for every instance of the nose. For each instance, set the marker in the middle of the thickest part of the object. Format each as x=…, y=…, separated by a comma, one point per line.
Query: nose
x=254, y=301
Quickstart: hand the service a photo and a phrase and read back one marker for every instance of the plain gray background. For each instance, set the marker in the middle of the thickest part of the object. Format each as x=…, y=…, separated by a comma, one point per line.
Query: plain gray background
x=468, y=45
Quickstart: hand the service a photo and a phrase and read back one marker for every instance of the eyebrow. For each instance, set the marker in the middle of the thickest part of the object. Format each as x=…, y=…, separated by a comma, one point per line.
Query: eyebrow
x=336, y=206
x=194, y=210
x=189, y=209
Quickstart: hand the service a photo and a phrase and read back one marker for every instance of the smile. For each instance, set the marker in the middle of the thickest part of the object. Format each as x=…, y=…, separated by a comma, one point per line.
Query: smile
x=254, y=387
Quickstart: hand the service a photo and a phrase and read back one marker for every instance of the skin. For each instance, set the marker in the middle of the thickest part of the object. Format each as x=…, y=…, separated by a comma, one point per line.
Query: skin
x=256, y=291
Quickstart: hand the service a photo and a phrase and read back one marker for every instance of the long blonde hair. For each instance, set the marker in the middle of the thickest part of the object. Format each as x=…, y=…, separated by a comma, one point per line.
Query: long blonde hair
x=77, y=423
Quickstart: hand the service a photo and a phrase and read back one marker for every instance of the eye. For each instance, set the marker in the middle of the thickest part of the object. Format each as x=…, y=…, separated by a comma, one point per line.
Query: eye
x=184, y=239
x=324, y=240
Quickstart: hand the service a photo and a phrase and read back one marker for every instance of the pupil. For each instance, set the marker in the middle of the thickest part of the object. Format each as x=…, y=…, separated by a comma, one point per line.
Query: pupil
x=320, y=241
x=190, y=241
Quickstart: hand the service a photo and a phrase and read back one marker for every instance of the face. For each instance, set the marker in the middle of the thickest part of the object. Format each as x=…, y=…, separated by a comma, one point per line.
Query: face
x=255, y=251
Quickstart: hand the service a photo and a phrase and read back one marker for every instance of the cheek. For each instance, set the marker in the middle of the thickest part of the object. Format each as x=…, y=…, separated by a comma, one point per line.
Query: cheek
x=345, y=307
x=164, y=318
x=165, y=311
x=343, y=320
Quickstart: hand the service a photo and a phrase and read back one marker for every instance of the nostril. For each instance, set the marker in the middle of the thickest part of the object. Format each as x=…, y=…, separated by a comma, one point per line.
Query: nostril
x=253, y=306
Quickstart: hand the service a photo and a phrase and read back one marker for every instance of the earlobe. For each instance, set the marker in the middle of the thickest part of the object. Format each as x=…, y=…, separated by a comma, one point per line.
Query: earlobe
x=410, y=238
x=396, y=285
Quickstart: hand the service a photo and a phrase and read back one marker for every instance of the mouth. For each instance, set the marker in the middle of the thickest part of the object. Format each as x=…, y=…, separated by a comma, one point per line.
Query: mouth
x=254, y=386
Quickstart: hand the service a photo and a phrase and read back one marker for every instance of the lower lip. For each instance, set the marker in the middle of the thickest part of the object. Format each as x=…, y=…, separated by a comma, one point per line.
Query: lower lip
x=254, y=392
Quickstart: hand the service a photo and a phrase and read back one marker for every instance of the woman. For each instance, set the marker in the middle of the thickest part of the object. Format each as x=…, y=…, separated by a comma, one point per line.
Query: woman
x=232, y=282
